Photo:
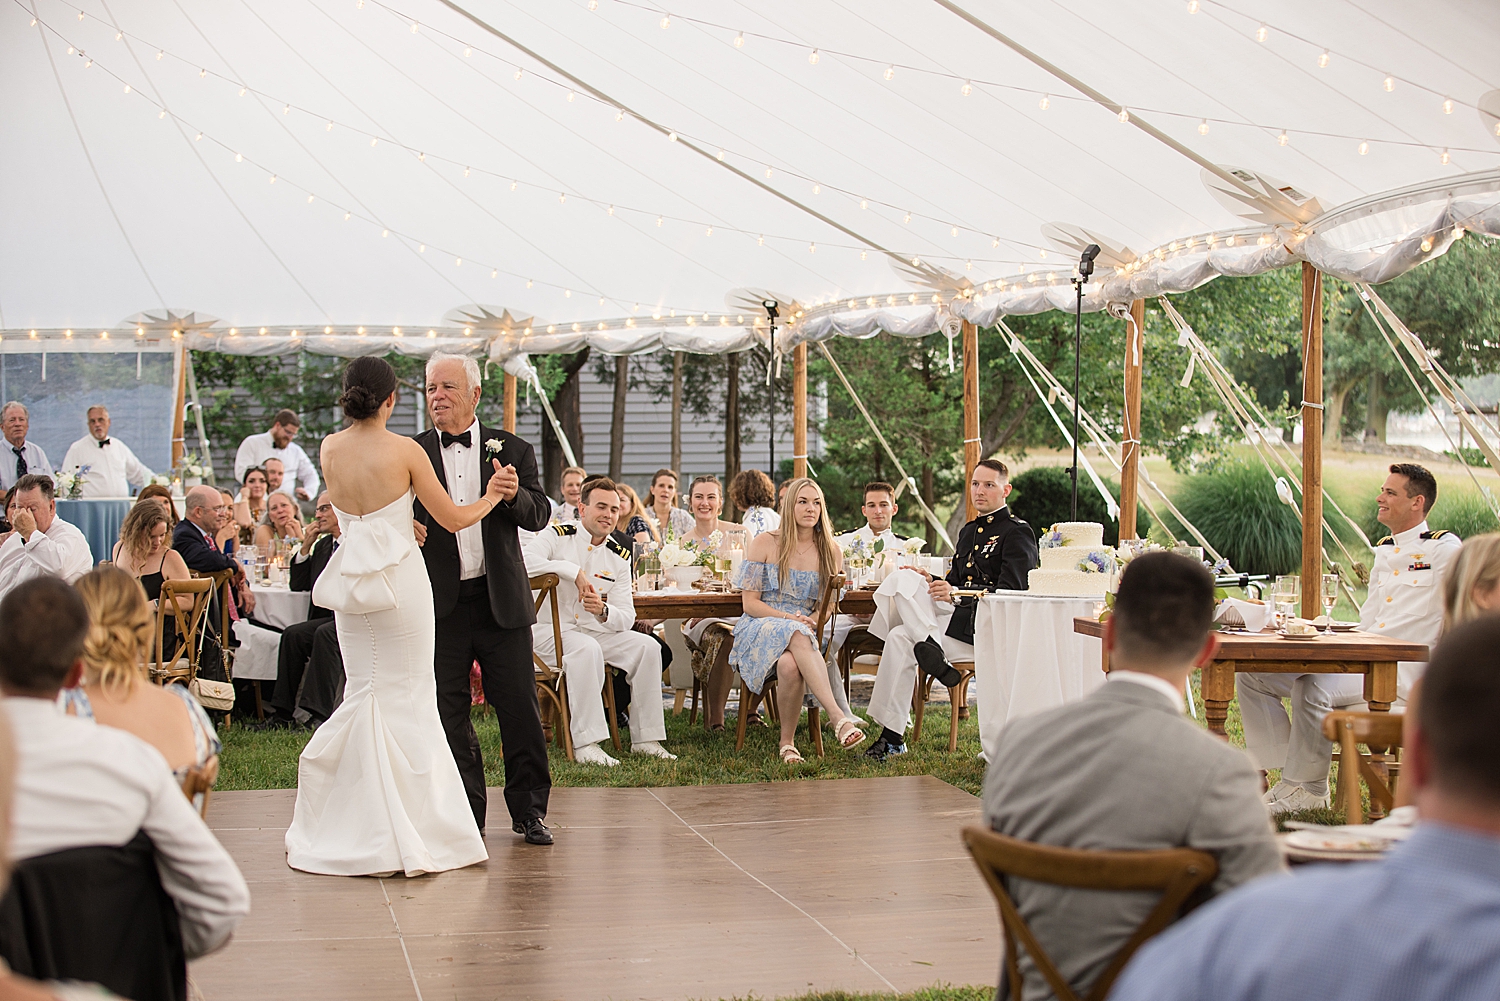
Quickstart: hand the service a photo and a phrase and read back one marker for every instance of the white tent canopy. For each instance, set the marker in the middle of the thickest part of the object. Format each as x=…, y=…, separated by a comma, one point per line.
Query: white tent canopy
x=342, y=173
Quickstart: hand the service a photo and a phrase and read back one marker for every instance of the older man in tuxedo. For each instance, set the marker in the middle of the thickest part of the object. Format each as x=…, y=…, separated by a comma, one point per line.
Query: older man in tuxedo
x=482, y=596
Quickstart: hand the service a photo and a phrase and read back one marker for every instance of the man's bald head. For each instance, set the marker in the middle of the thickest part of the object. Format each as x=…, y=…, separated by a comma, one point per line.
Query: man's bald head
x=203, y=504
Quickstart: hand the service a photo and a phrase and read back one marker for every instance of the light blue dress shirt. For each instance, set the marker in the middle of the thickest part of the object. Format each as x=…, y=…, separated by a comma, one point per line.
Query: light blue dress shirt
x=1422, y=924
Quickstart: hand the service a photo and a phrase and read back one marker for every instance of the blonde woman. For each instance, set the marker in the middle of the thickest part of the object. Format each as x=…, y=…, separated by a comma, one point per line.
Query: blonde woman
x=145, y=552
x=1472, y=587
x=664, y=512
x=283, y=521
x=116, y=691
x=782, y=580
x=633, y=521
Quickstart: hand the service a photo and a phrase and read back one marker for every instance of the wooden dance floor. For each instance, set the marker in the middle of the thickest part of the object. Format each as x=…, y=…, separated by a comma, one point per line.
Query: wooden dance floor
x=677, y=893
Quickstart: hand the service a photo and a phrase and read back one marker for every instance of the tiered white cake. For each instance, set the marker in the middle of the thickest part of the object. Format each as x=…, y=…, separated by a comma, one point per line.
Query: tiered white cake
x=1075, y=561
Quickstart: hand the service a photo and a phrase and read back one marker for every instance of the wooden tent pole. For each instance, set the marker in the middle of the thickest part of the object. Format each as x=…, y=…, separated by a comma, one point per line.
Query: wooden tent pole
x=799, y=411
x=1130, y=445
x=1312, y=441
x=971, y=412
x=508, y=415
x=180, y=413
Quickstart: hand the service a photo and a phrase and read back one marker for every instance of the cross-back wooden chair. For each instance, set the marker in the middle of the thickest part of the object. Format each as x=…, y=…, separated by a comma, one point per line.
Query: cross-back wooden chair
x=822, y=616
x=189, y=625
x=1173, y=872
x=958, y=698
x=609, y=705
x=1380, y=732
x=859, y=642
x=224, y=591
x=199, y=781
x=551, y=681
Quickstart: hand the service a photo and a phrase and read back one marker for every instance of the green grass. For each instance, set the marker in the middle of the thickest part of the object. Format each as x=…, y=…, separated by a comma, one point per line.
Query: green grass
x=937, y=992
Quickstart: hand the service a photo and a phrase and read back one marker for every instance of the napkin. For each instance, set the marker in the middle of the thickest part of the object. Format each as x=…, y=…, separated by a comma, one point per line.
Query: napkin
x=1256, y=617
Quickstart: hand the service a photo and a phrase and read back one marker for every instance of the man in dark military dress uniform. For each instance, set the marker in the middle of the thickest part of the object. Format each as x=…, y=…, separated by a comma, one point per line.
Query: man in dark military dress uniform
x=928, y=627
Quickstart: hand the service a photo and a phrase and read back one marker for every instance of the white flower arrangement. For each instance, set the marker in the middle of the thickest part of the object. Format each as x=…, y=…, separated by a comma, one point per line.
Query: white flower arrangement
x=68, y=483
x=162, y=480
x=673, y=555
x=913, y=546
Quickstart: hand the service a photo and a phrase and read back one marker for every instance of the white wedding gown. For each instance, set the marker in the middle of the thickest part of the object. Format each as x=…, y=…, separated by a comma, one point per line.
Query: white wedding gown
x=377, y=788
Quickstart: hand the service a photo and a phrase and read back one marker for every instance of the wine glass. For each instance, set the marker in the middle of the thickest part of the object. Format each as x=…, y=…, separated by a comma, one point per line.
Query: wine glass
x=1286, y=595
x=1330, y=594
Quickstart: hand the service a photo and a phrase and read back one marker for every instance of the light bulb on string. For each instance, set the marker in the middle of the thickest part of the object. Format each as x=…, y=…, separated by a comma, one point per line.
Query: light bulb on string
x=494, y=272
x=1045, y=102
x=1426, y=244
x=720, y=156
x=953, y=231
x=619, y=114
x=1261, y=33
x=238, y=157
x=1444, y=158
x=468, y=52
x=466, y=171
x=529, y=283
x=907, y=218
x=348, y=216
x=1323, y=60
x=1124, y=116
x=890, y=72
x=864, y=203
x=513, y=185
x=658, y=222
x=202, y=73
x=570, y=97
x=1364, y=147
x=414, y=27
x=159, y=53
x=739, y=40
x=1389, y=83
x=1282, y=139
x=967, y=88
x=812, y=57
x=1192, y=6
x=593, y=4
x=1447, y=105
x=329, y=127
x=244, y=91
x=666, y=22
x=769, y=172
x=863, y=254
x=518, y=73
x=817, y=189
x=760, y=241
x=812, y=248
x=1203, y=127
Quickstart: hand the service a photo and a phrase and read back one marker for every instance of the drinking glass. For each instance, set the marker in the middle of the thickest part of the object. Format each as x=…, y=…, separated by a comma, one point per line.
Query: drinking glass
x=1330, y=595
x=1286, y=595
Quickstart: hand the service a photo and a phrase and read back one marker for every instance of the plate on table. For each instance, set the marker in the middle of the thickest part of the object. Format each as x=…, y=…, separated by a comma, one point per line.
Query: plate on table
x=1341, y=841
x=1299, y=636
x=1344, y=627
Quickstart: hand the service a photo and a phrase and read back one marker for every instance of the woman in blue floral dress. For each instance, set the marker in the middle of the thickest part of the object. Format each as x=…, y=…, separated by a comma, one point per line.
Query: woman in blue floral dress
x=782, y=579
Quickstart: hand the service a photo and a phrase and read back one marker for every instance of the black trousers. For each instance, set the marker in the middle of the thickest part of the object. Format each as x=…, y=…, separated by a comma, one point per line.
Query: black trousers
x=468, y=634
x=309, y=660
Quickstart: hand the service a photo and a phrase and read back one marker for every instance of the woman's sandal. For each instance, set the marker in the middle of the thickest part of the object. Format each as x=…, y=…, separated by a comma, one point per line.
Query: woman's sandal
x=716, y=728
x=849, y=734
x=789, y=755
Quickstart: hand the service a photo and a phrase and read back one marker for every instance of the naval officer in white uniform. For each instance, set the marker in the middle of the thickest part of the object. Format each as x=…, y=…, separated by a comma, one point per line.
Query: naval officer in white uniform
x=597, y=611
x=1405, y=602
x=879, y=509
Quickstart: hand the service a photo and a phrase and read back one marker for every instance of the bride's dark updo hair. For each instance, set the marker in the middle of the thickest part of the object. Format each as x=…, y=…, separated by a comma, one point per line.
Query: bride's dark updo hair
x=368, y=382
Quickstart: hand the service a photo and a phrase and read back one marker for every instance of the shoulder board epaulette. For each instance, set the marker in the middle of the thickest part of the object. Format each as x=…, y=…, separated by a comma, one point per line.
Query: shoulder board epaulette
x=565, y=529
x=900, y=537
x=1389, y=540
x=1437, y=534
x=613, y=545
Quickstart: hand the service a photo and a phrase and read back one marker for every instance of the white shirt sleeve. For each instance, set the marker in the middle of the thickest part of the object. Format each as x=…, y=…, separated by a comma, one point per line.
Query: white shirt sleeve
x=307, y=474
x=41, y=466
x=136, y=472
x=245, y=458
x=207, y=887
x=74, y=457
x=538, y=554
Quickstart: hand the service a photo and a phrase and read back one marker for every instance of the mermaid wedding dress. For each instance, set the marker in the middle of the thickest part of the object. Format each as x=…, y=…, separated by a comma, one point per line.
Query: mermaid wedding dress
x=377, y=788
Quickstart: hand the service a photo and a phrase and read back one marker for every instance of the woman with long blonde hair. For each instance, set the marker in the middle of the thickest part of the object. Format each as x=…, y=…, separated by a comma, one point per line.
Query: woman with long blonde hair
x=782, y=580
x=116, y=690
x=1472, y=587
x=633, y=521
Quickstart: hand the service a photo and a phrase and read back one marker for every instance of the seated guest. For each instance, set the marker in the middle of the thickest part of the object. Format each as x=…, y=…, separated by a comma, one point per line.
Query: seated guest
x=753, y=493
x=283, y=523
x=663, y=513
x=81, y=785
x=144, y=553
x=308, y=661
x=1472, y=587
x=228, y=535
x=275, y=476
x=279, y=443
x=572, y=489
x=1404, y=602
x=708, y=639
x=43, y=544
x=706, y=504
x=10, y=514
x=196, y=540
x=879, y=510
x=21, y=455
x=116, y=691
x=161, y=496
x=782, y=580
x=920, y=621
x=112, y=467
x=1123, y=770
x=1420, y=924
x=597, y=612
x=250, y=509
x=633, y=515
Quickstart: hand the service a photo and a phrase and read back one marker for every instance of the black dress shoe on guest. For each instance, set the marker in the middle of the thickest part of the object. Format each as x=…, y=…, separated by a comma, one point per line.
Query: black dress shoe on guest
x=536, y=832
x=930, y=656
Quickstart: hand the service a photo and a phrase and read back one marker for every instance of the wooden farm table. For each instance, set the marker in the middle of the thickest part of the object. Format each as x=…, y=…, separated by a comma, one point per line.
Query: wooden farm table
x=1341, y=653
x=724, y=605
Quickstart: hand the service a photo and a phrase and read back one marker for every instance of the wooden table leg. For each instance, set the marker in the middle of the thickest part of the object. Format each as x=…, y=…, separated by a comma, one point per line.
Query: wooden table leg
x=1218, y=692
x=1381, y=683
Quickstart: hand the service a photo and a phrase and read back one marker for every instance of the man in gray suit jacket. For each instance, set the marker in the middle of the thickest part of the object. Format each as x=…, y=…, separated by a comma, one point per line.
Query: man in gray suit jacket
x=1123, y=770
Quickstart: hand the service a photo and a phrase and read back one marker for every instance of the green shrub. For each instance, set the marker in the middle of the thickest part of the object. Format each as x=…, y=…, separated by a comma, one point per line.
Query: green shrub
x=1043, y=496
x=1236, y=508
x=1465, y=513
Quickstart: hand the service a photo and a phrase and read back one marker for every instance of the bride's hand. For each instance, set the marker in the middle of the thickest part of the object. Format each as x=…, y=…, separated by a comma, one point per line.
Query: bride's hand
x=510, y=483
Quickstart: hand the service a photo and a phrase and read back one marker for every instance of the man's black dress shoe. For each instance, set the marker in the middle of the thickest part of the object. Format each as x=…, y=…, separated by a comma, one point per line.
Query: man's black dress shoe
x=930, y=656
x=536, y=832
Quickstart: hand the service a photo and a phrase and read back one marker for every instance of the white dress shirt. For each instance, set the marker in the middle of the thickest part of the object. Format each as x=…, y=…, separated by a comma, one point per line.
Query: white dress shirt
x=79, y=785
x=36, y=462
x=113, y=467
x=867, y=535
x=462, y=469
x=257, y=448
x=566, y=550
x=60, y=551
x=1405, y=599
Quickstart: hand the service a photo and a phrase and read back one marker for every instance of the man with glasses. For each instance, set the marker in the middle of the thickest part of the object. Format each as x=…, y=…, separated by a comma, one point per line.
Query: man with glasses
x=279, y=443
x=309, y=659
x=195, y=537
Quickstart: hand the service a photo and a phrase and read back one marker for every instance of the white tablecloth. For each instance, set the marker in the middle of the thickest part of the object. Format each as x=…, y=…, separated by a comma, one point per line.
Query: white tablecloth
x=276, y=606
x=1027, y=658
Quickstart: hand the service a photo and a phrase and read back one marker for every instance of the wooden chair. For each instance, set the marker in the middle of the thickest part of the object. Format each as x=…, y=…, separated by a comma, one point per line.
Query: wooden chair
x=1380, y=732
x=551, y=681
x=609, y=706
x=858, y=643
x=1174, y=872
x=224, y=590
x=189, y=624
x=958, y=698
x=750, y=700
x=199, y=781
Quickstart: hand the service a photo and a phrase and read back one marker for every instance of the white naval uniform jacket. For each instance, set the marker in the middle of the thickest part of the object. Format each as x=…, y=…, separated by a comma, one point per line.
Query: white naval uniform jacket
x=1405, y=600
x=564, y=550
x=867, y=535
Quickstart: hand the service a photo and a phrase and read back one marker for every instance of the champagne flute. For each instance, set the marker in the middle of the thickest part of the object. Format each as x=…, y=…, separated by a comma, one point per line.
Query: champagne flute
x=1286, y=595
x=1330, y=594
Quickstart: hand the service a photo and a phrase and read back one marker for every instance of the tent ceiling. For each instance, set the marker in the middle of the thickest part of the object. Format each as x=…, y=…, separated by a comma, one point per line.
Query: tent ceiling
x=560, y=205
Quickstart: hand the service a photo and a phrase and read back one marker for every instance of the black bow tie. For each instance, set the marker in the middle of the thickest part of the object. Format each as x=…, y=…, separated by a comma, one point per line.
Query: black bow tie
x=103, y=442
x=451, y=439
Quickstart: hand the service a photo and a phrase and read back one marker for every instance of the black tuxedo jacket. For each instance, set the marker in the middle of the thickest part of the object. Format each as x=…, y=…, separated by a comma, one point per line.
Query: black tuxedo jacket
x=302, y=576
x=195, y=551
x=509, y=584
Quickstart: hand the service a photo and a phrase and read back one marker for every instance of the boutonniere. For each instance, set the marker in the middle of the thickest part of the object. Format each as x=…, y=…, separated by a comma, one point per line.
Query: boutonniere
x=492, y=446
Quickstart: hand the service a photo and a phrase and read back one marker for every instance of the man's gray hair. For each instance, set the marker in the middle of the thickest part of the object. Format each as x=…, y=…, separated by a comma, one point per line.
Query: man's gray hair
x=98, y=406
x=14, y=403
x=470, y=366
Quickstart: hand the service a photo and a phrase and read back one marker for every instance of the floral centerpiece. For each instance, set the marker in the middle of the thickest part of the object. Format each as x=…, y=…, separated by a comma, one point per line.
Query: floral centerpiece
x=189, y=470
x=68, y=483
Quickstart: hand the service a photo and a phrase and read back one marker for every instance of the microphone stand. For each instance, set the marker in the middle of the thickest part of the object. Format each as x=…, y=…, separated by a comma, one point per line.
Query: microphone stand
x=1085, y=268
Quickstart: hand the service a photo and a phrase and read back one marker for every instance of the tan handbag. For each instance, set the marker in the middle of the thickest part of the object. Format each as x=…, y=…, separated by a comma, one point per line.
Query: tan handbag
x=218, y=695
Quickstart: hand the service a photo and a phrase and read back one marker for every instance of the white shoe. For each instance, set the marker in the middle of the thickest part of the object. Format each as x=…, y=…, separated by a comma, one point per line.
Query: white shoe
x=1289, y=797
x=652, y=749
x=593, y=754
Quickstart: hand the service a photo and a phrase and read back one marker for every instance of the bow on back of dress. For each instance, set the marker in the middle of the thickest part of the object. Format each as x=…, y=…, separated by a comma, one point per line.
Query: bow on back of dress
x=357, y=578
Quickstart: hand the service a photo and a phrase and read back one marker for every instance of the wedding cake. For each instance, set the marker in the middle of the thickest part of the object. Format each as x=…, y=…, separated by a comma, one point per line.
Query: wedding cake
x=1075, y=561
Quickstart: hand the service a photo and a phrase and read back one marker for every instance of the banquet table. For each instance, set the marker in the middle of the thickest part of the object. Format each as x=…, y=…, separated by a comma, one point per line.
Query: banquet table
x=1269, y=653
x=275, y=606
x=99, y=519
x=1028, y=658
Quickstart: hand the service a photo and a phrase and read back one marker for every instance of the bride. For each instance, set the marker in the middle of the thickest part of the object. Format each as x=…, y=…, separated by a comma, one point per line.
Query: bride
x=377, y=788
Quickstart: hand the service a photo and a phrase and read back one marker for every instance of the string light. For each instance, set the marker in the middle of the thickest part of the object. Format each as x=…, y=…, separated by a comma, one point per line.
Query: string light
x=1124, y=116
x=1192, y=6
x=593, y=4
x=907, y=219
x=1323, y=60
x=619, y=114
x=468, y=52
x=967, y=88
x=1203, y=127
x=890, y=71
x=739, y=40
x=518, y=73
x=1426, y=244
x=1447, y=105
x=721, y=156
x=817, y=189
x=812, y=57
x=1045, y=102
x=1283, y=139
x=1444, y=158
x=864, y=203
x=769, y=172
x=1389, y=83
x=1364, y=148
x=1261, y=33
x=666, y=22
